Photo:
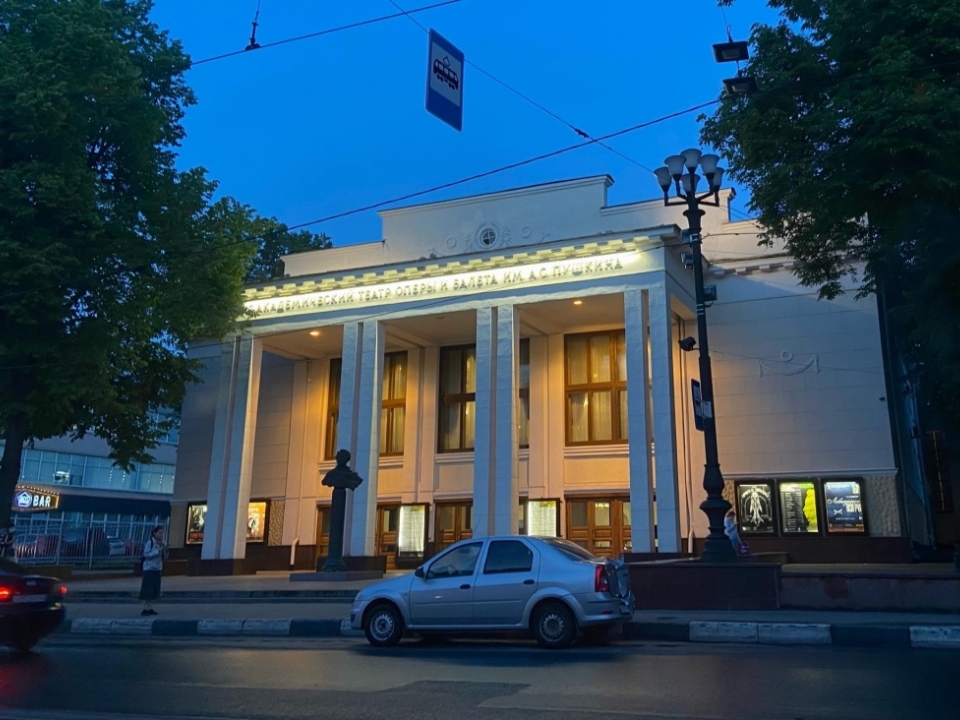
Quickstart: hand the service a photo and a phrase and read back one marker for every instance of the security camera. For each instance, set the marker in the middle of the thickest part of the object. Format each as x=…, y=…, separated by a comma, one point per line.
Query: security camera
x=710, y=293
x=687, y=344
x=687, y=260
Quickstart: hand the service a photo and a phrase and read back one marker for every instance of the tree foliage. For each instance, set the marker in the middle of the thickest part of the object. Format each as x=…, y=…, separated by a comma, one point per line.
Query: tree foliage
x=274, y=240
x=111, y=259
x=851, y=151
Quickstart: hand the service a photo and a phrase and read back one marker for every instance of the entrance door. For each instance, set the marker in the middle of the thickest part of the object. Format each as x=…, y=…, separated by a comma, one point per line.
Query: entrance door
x=388, y=523
x=600, y=525
x=454, y=522
x=323, y=531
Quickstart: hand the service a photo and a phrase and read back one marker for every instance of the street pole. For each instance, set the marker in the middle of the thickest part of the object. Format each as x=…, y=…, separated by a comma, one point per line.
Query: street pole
x=716, y=547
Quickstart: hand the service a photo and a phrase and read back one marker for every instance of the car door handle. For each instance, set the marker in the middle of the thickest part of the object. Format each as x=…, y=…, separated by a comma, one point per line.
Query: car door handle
x=528, y=582
x=465, y=586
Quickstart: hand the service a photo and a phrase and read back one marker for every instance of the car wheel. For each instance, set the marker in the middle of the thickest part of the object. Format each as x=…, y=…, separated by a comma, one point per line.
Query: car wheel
x=383, y=626
x=553, y=626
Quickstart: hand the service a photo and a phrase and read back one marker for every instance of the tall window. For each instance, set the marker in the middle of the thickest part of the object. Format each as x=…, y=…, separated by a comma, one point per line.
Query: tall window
x=394, y=405
x=333, y=409
x=394, y=411
x=458, y=395
x=596, y=386
x=523, y=409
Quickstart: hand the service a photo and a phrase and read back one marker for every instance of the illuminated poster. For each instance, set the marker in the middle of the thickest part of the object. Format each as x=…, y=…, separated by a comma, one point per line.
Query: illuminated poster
x=412, y=532
x=256, y=521
x=542, y=518
x=798, y=507
x=844, y=506
x=755, y=507
x=196, y=519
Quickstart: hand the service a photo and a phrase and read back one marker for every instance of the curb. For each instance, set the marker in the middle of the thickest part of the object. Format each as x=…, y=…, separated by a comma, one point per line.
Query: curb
x=154, y=627
x=841, y=635
x=194, y=596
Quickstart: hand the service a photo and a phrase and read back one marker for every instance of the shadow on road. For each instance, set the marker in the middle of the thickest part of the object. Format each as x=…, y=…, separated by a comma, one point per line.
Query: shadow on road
x=471, y=652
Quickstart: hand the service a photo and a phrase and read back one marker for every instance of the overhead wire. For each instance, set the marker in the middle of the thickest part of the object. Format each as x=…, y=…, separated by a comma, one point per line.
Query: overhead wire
x=401, y=198
x=320, y=33
x=579, y=131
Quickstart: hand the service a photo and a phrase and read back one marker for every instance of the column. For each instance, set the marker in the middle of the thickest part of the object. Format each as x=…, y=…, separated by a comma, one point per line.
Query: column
x=483, y=443
x=231, y=462
x=664, y=422
x=366, y=458
x=636, y=315
x=505, y=446
x=427, y=437
x=412, y=426
x=297, y=479
x=347, y=417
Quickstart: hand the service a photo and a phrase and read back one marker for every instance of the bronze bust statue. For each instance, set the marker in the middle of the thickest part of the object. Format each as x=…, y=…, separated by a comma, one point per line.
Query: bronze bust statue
x=342, y=476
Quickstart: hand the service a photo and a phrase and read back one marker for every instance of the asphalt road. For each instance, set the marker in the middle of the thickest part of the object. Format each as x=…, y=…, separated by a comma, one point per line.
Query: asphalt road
x=471, y=680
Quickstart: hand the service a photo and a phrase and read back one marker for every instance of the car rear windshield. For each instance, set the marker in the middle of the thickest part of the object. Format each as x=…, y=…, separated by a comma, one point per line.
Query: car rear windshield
x=570, y=548
x=8, y=567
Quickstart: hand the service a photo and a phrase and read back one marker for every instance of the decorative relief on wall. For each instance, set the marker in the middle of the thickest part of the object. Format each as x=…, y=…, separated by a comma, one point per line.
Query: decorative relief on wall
x=526, y=231
x=275, y=526
x=490, y=236
x=786, y=366
x=882, y=506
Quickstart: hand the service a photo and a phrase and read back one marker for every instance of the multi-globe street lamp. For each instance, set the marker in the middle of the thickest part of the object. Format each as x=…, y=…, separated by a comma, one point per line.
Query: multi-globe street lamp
x=680, y=174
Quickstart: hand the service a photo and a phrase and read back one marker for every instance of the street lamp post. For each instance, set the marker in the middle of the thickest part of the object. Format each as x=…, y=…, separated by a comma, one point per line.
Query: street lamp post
x=717, y=547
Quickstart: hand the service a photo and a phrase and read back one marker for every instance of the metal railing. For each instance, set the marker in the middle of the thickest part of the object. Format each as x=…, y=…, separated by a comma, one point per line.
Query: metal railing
x=94, y=543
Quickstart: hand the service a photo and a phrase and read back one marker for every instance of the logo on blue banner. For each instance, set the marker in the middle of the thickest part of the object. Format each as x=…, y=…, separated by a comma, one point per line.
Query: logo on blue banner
x=445, y=81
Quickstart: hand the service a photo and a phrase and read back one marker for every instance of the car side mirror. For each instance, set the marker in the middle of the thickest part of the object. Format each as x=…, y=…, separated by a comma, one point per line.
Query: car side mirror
x=419, y=572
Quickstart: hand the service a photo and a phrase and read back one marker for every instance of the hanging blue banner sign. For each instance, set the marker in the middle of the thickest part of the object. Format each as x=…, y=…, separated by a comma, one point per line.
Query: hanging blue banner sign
x=445, y=81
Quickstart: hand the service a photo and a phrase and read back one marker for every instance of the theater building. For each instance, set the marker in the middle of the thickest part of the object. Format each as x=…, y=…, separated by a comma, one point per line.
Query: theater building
x=511, y=362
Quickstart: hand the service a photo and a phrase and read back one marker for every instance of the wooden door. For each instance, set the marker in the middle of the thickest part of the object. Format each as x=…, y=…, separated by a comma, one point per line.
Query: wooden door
x=453, y=522
x=323, y=531
x=388, y=524
x=600, y=525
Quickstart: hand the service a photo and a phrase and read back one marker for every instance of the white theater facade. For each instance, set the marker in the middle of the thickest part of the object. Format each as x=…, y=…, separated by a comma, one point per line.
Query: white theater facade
x=510, y=363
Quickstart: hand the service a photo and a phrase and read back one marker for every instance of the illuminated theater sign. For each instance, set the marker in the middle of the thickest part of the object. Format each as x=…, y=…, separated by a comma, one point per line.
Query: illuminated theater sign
x=452, y=284
x=31, y=500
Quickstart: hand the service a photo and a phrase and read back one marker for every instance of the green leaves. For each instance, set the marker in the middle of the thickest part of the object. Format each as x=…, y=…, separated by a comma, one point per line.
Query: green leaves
x=112, y=260
x=851, y=151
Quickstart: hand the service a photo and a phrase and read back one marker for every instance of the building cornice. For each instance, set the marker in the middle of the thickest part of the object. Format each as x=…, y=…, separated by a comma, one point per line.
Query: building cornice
x=530, y=190
x=571, y=248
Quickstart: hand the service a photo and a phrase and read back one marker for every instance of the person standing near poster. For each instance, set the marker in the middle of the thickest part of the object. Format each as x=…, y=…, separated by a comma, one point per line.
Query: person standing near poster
x=154, y=551
x=733, y=533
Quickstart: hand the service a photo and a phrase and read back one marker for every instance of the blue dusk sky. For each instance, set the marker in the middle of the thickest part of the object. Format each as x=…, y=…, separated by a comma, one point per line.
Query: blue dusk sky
x=311, y=129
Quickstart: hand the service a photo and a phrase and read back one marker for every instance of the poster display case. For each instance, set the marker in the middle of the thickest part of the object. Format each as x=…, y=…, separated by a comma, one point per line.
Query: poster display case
x=258, y=512
x=843, y=506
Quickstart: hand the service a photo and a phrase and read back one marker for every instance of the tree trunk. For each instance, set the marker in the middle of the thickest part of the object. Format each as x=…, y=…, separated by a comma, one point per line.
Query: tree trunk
x=14, y=437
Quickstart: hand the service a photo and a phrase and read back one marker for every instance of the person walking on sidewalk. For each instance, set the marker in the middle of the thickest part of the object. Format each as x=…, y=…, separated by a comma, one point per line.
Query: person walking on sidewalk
x=154, y=551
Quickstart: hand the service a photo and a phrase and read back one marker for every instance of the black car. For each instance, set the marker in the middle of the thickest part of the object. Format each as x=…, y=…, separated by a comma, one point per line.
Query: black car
x=31, y=606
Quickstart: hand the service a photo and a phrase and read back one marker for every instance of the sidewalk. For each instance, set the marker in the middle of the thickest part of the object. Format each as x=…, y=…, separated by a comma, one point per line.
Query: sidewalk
x=270, y=604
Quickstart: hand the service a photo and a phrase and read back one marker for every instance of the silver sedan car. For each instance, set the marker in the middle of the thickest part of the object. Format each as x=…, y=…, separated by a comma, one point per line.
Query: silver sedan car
x=548, y=586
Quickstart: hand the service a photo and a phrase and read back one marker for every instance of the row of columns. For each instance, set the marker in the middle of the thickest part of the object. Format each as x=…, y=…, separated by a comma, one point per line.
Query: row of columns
x=654, y=492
